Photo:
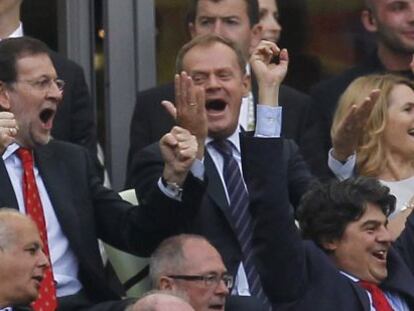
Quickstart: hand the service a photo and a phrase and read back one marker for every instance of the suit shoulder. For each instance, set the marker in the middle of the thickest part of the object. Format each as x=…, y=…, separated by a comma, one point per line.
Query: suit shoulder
x=61, y=62
x=165, y=90
x=65, y=147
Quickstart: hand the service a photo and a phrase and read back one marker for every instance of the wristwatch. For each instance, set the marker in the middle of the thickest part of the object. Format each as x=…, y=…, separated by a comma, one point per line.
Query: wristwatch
x=172, y=187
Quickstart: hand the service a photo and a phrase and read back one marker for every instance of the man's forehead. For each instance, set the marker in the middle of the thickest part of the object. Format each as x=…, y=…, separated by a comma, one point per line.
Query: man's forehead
x=221, y=8
x=202, y=257
x=37, y=64
x=373, y=213
x=24, y=231
x=193, y=59
x=376, y=3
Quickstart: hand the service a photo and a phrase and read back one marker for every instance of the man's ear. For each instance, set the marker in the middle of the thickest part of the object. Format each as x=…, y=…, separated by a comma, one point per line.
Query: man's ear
x=329, y=245
x=166, y=283
x=4, y=97
x=192, y=30
x=246, y=81
x=369, y=21
x=256, y=35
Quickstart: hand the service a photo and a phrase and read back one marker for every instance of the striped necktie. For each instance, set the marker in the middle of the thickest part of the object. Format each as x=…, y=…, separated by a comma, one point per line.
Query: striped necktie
x=240, y=215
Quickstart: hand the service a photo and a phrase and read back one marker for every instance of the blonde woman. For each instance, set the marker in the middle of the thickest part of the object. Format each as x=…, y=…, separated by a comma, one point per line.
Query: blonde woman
x=382, y=138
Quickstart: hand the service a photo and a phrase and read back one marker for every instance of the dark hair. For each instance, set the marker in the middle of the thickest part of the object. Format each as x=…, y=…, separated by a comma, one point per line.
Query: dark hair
x=327, y=209
x=252, y=11
x=12, y=49
x=208, y=40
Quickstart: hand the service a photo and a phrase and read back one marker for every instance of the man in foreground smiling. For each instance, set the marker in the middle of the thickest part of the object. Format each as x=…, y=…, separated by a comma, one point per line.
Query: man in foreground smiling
x=347, y=260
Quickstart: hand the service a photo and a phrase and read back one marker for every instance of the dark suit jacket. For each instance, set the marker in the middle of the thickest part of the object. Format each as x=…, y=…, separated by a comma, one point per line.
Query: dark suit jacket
x=212, y=218
x=87, y=211
x=297, y=274
x=75, y=119
x=150, y=121
x=243, y=303
x=325, y=95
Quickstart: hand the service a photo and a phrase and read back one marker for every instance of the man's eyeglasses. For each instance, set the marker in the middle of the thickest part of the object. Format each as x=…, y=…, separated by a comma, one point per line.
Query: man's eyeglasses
x=209, y=279
x=44, y=84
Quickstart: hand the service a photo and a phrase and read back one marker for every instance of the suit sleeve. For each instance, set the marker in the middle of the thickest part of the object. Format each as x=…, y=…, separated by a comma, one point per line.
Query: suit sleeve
x=101, y=213
x=405, y=243
x=176, y=216
x=278, y=246
x=299, y=176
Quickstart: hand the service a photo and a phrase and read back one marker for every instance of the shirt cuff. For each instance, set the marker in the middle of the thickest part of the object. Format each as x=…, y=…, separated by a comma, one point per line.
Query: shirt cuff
x=197, y=169
x=269, y=121
x=342, y=170
x=175, y=195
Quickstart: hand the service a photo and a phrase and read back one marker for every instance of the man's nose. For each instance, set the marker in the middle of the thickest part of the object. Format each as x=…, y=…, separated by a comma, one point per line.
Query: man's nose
x=384, y=235
x=222, y=289
x=218, y=28
x=43, y=260
x=55, y=92
x=212, y=83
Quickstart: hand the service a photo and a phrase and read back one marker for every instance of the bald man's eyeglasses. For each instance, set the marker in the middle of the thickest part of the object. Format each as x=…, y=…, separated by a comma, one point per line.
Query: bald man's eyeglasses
x=208, y=279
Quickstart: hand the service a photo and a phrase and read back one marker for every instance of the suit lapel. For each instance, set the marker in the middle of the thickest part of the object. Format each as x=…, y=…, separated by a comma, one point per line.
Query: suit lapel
x=215, y=188
x=7, y=196
x=54, y=175
x=362, y=295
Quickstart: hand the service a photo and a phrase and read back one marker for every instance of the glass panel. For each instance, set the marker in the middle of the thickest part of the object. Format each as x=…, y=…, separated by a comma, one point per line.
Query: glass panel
x=323, y=37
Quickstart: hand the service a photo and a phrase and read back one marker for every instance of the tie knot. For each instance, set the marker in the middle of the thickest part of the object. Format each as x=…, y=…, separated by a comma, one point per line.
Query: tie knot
x=379, y=300
x=368, y=285
x=224, y=147
x=25, y=155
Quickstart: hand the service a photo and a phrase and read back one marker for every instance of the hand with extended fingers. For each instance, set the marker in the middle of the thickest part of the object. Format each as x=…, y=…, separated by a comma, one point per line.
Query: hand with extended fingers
x=189, y=109
x=269, y=73
x=179, y=149
x=8, y=129
x=345, y=139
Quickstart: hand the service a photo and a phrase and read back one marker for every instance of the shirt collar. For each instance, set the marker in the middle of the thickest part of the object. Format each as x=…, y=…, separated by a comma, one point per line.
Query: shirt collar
x=351, y=277
x=18, y=32
x=233, y=138
x=10, y=150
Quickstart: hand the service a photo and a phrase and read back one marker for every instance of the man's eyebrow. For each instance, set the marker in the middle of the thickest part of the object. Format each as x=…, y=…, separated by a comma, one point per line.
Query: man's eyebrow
x=372, y=223
x=33, y=244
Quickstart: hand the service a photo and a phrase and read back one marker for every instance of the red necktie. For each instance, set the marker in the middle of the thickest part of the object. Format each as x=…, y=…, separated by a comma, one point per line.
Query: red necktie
x=378, y=298
x=47, y=293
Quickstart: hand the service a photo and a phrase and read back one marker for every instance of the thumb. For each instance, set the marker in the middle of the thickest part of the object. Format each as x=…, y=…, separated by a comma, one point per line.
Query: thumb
x=169, y=106
x=284, y=56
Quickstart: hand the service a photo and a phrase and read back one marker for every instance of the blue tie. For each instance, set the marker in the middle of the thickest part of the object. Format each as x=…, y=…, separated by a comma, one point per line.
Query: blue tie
x=240, y=215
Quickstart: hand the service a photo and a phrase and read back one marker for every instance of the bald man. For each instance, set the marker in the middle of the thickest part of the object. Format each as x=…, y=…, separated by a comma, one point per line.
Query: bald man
x=22, y=261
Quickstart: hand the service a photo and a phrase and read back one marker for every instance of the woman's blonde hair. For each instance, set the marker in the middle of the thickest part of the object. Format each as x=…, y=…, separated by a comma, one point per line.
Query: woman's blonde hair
x=370, y=150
